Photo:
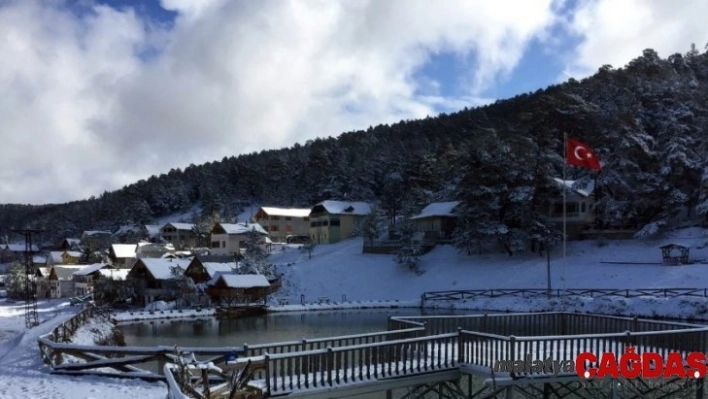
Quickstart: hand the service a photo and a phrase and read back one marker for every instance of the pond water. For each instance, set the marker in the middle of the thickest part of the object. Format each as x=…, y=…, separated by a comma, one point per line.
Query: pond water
x=274, y=327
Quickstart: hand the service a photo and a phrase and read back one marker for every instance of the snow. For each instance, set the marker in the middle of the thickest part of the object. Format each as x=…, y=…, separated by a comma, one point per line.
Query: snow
x=342, y=207
x=23, y=375
x=288, y=212
x=115, y=274
x=437, y=209
x=212, y=268
x=242, y=228
x=18, y=247
x=180, y=226
x=342, y=271
x=124, y=250
x=85, y=271
x=160, y=268
x=243, y=280
x=585, y=192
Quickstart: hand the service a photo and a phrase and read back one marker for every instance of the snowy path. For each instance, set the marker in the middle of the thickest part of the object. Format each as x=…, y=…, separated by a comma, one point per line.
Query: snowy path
x=23, y=375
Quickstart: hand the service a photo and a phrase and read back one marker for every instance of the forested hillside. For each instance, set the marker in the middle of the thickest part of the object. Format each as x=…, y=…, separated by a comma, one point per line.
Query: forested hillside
x=646, y=122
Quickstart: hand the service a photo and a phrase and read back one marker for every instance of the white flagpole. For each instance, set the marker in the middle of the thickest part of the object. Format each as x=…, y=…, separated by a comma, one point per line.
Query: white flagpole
x=565, y=162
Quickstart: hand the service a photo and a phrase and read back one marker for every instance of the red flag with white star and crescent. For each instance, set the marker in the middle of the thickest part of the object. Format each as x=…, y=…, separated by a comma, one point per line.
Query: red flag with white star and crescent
x=579, y=154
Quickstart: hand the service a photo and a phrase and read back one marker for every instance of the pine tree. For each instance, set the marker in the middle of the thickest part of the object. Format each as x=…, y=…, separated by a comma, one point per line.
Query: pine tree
x=408, y=254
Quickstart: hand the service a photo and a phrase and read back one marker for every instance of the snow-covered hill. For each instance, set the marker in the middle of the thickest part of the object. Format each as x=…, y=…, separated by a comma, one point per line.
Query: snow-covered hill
x=342, y=269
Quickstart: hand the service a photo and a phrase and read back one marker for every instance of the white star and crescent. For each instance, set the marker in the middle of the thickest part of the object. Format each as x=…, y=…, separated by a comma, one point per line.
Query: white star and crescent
x=578, y=156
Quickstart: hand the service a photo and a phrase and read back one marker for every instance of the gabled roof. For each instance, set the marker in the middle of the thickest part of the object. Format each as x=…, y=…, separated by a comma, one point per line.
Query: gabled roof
x=238, y=228
x=438, y=209
x=65, y=272
x=180, y=226
x=123, y=251
x=73, y=254
x=43, y=271
x=585, y=192
x=291, y=212
x=39, y=259
x=345, y=207
x=55, y=256
x=18, y=247
x=115, y=274
x=242, y=280
x=160, y=268
x=90, y=269
x=213, y=268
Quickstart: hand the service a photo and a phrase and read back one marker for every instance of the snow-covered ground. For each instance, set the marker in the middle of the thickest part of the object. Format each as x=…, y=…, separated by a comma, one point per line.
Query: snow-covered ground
x=23, y=375
x=342, y=273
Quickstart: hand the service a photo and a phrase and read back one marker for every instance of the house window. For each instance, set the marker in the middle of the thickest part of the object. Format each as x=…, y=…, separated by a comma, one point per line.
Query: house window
x=275, y=218
x=223, y=244
x=334, y=222
x=273, y=227
x=306, y=219
x=582, y=207
x=288, y=228
x=288, y=218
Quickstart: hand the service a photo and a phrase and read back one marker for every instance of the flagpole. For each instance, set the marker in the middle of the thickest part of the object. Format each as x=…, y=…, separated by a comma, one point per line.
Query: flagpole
x=565, y=162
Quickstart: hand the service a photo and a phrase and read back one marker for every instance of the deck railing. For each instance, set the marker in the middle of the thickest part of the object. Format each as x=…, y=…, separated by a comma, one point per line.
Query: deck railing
x=332, y=367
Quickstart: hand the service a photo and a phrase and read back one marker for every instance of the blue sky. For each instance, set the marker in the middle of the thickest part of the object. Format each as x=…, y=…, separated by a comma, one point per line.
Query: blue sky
x=126, y=89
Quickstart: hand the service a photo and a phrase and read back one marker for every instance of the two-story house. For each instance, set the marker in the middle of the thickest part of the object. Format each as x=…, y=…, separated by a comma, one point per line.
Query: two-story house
x=229, y=238
x=181, y=235
x=578, y=204
x=151, y=277
x=85, y=278
x=283, y=222
x=333, y=221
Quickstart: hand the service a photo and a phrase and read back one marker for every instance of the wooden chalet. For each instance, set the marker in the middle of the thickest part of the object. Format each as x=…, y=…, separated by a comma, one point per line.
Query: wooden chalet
x=61, y=280
x=201, y=272
x=85, y=278
x=150, y=277
x=232, y=289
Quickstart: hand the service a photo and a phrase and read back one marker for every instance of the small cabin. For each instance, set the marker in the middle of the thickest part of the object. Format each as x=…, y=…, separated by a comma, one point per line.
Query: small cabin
x=675, y=254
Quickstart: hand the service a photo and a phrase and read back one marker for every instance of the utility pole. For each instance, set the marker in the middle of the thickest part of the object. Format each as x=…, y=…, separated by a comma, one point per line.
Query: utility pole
x=31, y=318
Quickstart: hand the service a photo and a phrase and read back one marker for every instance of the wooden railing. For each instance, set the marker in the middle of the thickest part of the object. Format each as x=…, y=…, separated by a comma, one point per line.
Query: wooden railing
x=333, y=367
x=456, y=295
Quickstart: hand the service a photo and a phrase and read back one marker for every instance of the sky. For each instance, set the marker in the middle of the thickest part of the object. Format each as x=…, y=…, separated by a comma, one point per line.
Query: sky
x=98, y=94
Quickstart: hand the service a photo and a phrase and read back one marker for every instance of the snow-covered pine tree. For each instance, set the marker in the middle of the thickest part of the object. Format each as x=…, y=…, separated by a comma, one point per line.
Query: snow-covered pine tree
x=408, y=254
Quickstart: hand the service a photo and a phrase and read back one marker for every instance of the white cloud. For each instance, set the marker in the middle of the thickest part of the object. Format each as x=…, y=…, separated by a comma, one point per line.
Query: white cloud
x=616, y=31
x=82, y=112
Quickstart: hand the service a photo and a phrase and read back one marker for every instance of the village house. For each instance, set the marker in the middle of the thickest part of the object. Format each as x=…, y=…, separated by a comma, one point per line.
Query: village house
x=69, y=244
x=151, y=232
x=229, y=238
x=283, y=222
x=578, y=208
x=233, y=289
x=41, y=280
x=201, y=272
x=84, y=279
x=14, y=252
x=122, y=256
x=181, y=235
x=61, y=280
x=437, y=221
x=152, y=278
x=63, y=257
x=333, y=221
x=153, y=250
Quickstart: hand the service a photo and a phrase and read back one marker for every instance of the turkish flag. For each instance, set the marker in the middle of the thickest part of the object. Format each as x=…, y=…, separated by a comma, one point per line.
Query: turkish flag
x=579, y=154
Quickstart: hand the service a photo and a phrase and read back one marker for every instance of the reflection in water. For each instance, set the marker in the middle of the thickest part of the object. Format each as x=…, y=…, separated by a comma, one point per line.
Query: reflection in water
x=274, y=327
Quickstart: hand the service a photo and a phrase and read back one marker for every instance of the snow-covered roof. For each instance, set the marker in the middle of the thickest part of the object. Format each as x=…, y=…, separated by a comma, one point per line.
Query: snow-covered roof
x=74, y=254
x=239, y=228
x=44, y=271
x=438, y=209
x=90, y=269
x=39, y=259
x=213, y=268
x=291, y=212
x=122, y=251
x=18, y=247
x=65, y=272
x=180, y=226
x=585, y=192
x=115, y=274
x=345, y=207
x=244, y=280
x=55, y=256
x=73, y=241
x=160, y=268
x=126, y=228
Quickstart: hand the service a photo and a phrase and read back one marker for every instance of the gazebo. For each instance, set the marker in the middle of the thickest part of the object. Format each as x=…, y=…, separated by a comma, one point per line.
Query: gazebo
x=675, y=254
